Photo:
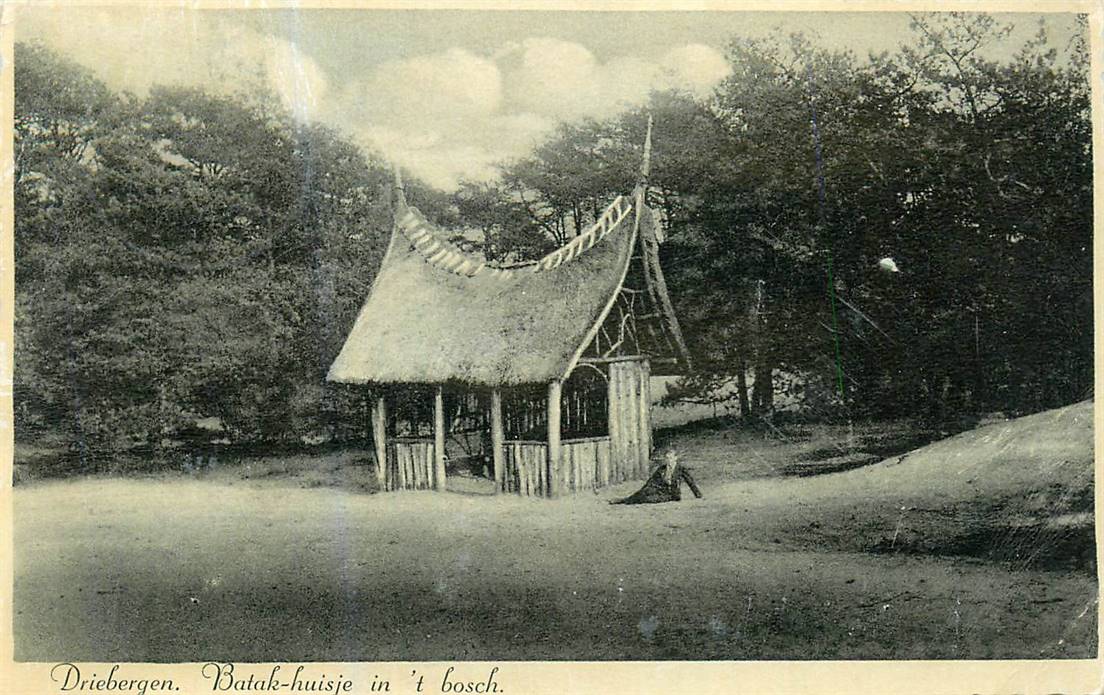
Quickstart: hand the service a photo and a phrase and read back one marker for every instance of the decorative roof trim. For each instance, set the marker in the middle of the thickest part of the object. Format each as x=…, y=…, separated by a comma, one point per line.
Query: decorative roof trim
x=441, y=253
x=446, y=256
x=607, y=222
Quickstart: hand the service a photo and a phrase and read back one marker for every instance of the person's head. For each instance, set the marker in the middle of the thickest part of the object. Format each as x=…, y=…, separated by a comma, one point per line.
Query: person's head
x=671, y=457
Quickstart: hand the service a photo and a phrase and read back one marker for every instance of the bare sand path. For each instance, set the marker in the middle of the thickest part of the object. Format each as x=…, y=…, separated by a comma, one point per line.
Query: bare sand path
x=170, y=569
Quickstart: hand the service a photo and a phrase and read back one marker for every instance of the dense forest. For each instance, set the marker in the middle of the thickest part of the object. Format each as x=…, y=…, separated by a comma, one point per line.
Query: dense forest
x=904, y=234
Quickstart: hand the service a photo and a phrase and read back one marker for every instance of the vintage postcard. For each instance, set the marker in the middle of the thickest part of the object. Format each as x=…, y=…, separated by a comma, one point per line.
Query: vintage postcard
x=549, y=348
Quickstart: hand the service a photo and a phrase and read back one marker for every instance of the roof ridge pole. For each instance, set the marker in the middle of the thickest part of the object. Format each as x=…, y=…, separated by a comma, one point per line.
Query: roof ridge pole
x=653, y=272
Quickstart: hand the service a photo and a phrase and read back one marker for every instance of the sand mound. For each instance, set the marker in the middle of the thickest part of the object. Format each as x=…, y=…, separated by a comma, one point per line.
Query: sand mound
x=1020, y=490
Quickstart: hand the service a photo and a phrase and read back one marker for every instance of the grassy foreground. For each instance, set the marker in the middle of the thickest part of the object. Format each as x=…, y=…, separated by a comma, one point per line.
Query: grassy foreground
x=977, y=546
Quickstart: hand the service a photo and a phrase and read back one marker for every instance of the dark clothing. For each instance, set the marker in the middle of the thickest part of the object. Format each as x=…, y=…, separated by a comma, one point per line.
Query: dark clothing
x=657, y=489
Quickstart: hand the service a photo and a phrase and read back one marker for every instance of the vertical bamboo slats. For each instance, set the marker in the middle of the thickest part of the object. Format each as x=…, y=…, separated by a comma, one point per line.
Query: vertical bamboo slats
x=602, y=456
x=617, y=437
x=631, y=413
x=410, y=463
x=400, y=469
x=544, y=464
x=379, y=439
x=522, y=462
x=525, y=466
x=630, y=425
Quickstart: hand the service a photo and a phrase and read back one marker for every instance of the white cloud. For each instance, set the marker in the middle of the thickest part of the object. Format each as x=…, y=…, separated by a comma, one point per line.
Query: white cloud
x=439, y=161
x=465, y=149
x=695, y=67
x=454, y=115
x=563, y=79
x=553, y=77
x=434, y=114
x=446, y=114
x=518, y=133
x=626, y=81
x=141, y=47
x=451, y=84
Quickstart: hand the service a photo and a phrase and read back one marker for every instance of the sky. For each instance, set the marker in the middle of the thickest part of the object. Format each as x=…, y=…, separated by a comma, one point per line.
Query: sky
x=447, y=94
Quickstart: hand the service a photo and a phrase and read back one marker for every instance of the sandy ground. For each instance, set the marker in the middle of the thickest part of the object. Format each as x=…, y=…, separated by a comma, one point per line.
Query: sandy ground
x=949, y=552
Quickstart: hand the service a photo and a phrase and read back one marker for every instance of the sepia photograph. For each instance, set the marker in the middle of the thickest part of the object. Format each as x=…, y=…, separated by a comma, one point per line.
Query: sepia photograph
x=455, y=335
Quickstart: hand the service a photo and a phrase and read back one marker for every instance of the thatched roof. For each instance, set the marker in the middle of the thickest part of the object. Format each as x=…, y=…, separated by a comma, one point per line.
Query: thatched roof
x=436, y=314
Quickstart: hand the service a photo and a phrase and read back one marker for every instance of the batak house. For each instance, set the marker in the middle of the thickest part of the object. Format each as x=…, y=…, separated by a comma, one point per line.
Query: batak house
x=538, y=371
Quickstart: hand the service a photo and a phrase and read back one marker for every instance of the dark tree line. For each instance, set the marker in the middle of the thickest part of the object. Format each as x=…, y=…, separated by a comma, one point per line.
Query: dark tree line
x=974, y=177
x=184, y=255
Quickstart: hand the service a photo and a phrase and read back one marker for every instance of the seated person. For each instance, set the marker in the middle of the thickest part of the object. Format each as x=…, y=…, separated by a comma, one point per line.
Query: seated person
x=664, y=485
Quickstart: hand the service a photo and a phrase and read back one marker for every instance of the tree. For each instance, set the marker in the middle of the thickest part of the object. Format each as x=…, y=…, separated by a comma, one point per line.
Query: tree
x=184, y=256
x=781, y=193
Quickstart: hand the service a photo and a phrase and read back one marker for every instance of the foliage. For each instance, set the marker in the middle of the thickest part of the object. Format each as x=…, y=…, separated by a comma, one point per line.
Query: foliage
x=183, y=256
x=806, y=164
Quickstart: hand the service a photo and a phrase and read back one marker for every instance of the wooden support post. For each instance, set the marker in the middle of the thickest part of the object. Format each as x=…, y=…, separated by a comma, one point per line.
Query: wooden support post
x=379, y=438
x=439, y=439
x=632, y=416
x=553, y=437
x=643, y=419
x=497, y=455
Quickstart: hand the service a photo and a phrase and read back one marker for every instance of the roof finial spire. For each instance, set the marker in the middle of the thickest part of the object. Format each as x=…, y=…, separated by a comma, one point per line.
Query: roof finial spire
x=646, y=166
x=400, y=191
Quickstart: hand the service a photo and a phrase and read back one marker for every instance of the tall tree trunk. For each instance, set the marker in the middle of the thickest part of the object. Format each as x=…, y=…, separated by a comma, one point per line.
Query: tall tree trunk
x=742, y=389
x=762, y=396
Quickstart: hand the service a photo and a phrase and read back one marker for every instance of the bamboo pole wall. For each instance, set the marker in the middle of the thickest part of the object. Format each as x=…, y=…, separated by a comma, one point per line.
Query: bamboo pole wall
x=379, y=438
x=410, y=463
x=584, y=465
x=580, y=463
x=629, y=413
x=545, y=464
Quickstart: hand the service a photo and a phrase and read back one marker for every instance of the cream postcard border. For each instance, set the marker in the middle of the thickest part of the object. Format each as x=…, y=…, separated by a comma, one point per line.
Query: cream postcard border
x=553, y=678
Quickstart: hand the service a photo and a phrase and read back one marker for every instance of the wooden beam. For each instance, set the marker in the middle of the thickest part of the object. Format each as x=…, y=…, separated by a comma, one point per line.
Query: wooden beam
x=626, y=358
x=439, y=439
x=657, y=286
x=379, y=437
x=498, y=456
x=610, y=359
x=554, y=390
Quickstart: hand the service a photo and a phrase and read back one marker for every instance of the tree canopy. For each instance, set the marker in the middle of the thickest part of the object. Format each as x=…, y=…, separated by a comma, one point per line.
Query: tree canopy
x=782, y=193
x=185, y=255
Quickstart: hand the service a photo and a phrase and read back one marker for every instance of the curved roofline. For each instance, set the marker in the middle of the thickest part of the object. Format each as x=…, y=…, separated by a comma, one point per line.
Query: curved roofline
x=429, y=241
x=597, y=326
x=422, y=324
